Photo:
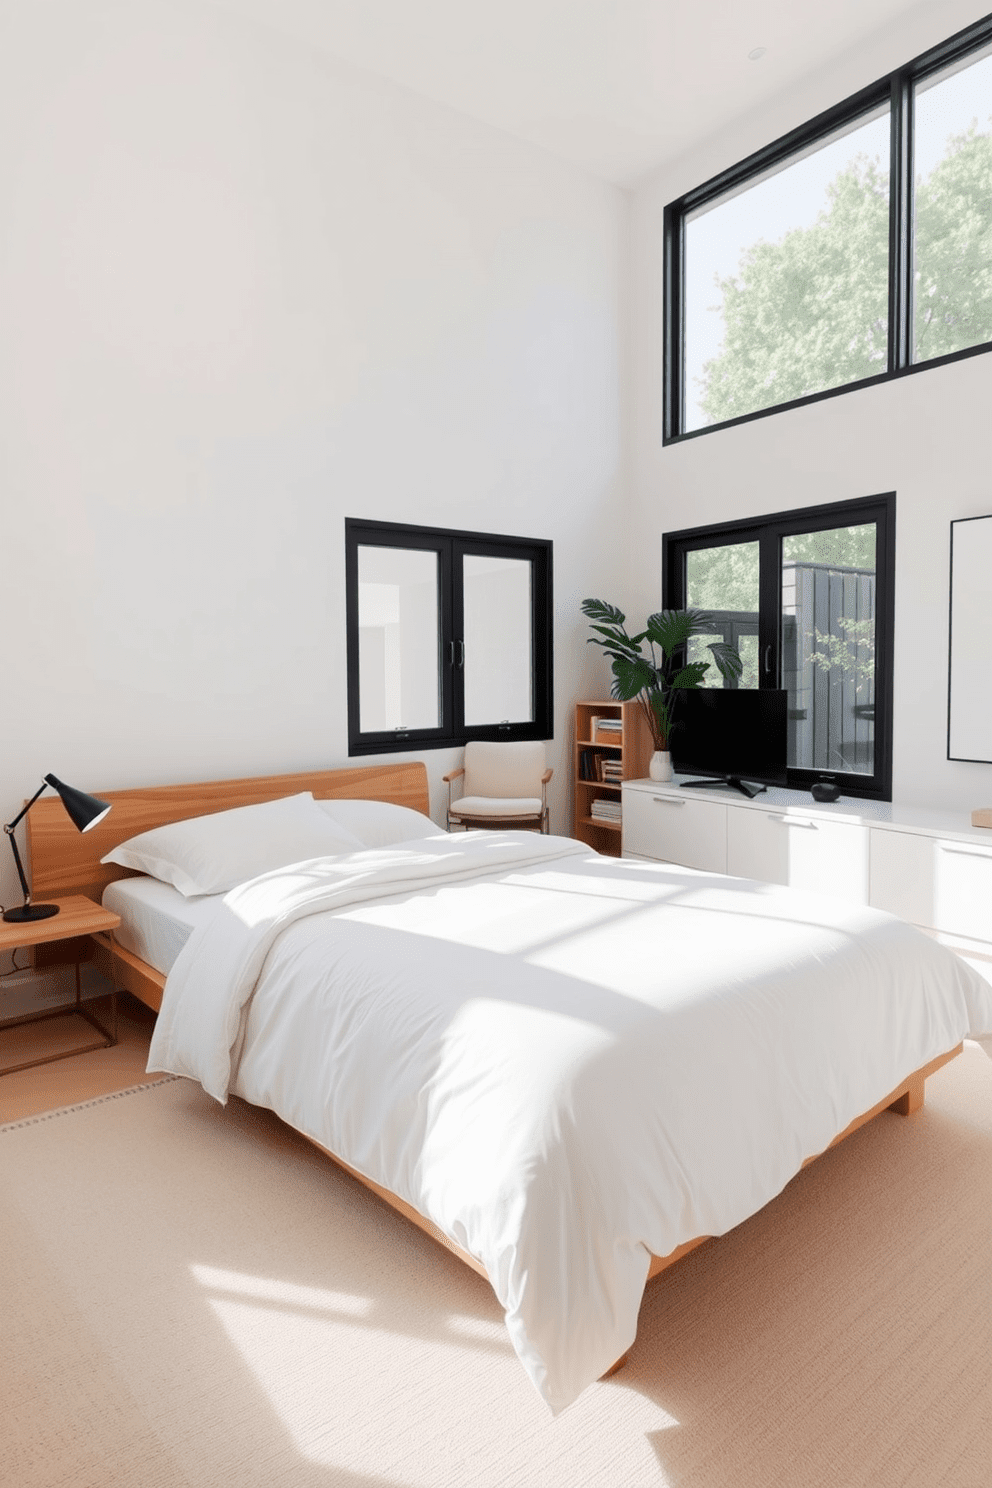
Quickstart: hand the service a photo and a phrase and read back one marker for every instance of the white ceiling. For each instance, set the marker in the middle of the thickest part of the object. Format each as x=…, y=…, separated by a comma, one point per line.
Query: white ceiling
x=618, y=87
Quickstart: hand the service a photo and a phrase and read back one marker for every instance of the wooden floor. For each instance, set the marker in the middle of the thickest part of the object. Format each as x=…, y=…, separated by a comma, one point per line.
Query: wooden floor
x=65, y=1082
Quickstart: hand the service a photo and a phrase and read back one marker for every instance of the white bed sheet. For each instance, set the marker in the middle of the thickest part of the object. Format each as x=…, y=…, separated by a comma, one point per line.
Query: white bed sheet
x=566, y=1062
x=156, y=919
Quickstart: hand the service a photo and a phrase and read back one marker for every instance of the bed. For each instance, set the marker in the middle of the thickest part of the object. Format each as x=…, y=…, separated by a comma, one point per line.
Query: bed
x=641, y=1056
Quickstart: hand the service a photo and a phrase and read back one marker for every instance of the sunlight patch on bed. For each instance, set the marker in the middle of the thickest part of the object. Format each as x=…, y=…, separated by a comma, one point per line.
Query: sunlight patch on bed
x=518, y=915
x=611, y=886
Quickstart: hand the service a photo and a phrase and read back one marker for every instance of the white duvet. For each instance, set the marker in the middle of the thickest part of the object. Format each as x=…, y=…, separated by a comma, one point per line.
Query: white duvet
x=566, y=1062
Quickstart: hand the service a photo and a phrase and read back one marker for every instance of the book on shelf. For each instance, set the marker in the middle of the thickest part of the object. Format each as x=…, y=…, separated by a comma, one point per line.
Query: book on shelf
x=605, y=810
x=608, y=731
x=599, y=769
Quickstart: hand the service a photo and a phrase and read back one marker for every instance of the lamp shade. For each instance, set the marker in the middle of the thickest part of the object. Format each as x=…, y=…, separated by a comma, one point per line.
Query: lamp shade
x=84, y=811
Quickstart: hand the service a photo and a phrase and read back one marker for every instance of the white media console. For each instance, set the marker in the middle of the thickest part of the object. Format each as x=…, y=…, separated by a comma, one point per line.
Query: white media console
x=930, y=867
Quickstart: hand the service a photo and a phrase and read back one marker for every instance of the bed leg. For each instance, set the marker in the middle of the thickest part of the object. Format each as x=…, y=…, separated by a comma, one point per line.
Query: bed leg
x=618, y=1365
x=912, y=1100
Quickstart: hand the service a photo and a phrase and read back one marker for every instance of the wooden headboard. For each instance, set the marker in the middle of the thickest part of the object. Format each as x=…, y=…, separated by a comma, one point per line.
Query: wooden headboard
x=64, y=861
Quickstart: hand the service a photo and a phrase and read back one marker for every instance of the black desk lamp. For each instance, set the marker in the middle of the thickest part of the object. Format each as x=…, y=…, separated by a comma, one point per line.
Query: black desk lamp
x=85, y=811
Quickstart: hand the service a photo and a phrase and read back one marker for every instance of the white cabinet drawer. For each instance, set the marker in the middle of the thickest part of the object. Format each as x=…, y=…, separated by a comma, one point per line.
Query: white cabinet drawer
x=805, y=852
x=939, y=883
x=675, y=829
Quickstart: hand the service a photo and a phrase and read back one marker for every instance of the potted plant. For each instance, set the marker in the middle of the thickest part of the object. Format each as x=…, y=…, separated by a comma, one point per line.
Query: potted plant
x=653, y=675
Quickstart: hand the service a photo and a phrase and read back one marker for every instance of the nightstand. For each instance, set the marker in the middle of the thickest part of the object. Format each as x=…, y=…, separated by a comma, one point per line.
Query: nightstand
x=78, y=916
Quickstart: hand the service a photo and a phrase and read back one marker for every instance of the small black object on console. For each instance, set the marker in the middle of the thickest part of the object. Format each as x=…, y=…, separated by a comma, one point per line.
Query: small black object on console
x=825, y=790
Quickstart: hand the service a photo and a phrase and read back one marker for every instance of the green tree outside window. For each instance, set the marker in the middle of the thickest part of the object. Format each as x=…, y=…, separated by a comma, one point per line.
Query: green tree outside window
x=810, y=312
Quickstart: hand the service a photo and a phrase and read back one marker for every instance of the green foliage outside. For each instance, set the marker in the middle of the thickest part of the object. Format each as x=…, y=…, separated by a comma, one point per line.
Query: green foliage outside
x=726, y=578
x=839, y=547
x=953, y=287
x=811, y=311
x=851, y=652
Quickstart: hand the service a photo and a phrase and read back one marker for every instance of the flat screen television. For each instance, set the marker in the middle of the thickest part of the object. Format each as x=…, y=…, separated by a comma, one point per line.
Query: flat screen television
x=738, y=736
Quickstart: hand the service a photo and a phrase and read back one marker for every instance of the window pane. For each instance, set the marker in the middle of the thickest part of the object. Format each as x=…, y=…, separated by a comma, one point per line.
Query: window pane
x=398, y=639
x=499, y=682
x=828, y=648
x=724, y=583
x=952, y=304
x=786, y=280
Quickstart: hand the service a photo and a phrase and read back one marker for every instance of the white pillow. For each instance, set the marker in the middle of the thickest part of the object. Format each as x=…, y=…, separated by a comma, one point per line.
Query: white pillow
x=379, y=823
x=211, y=854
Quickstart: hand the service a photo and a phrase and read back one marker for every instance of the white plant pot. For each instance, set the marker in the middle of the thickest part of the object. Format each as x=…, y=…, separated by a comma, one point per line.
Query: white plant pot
x=660, y=765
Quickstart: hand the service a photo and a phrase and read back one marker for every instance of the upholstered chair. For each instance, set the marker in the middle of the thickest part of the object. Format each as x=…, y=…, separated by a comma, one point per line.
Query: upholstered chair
x=503, y=786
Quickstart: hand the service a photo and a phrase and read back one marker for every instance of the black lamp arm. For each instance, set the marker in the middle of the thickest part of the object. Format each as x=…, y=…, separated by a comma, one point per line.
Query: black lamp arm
x=9, y=829
x=17, y=859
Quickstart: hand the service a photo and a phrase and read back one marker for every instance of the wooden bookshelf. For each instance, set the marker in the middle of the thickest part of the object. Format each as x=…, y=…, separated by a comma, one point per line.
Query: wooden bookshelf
x=603, y=759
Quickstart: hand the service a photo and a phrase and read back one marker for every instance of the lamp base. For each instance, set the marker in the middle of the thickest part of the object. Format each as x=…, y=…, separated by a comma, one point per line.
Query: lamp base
x=27, y=912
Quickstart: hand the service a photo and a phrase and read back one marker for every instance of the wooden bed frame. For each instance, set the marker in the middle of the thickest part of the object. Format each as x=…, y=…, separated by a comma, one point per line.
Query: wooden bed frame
x=64, y=861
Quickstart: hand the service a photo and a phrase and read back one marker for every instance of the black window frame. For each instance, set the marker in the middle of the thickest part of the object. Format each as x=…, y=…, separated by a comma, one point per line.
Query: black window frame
x=897, y=92
x=451, y=544
x=768, y=532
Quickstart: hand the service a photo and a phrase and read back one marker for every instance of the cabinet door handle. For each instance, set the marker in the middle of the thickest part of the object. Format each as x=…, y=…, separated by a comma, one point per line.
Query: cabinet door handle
x=668, y=800
x=966, y=852
x=791, y=821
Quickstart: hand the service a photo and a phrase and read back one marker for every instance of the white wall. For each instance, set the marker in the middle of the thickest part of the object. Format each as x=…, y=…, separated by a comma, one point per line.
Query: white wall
x=245, y=292
x=924, y=436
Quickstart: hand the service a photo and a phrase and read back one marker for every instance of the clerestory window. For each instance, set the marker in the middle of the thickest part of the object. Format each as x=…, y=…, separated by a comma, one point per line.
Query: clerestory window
x=854, y=249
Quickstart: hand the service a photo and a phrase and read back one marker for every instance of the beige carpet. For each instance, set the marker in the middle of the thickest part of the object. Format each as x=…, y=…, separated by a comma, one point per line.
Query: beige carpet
x=193, y=1296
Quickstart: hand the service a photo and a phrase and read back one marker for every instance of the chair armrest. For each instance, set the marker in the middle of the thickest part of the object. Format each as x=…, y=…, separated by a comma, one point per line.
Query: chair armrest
x=546, y=776
x=453, y=775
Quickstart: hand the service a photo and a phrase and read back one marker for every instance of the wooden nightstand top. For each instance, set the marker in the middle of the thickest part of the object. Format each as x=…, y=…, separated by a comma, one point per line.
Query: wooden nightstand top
x=78, y=916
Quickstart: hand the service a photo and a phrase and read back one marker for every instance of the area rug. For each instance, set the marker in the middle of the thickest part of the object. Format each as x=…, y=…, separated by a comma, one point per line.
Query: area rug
x=194, y=1296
